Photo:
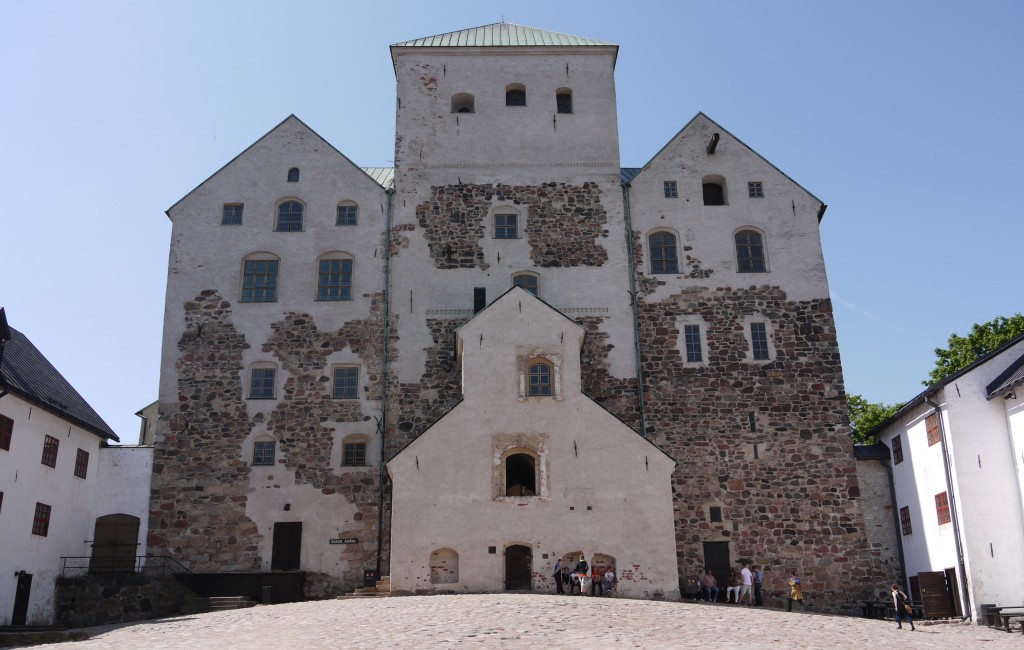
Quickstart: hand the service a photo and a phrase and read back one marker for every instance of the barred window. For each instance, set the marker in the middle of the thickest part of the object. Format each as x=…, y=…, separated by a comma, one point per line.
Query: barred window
x=942, y=508
x=82, y=463
x=50, y=446
x=41, y=520
x=931, y=424
x=905, y=520
x=691, y=334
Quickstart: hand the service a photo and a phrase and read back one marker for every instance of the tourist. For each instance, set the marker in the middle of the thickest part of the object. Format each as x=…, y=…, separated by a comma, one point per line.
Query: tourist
x=710, y=586
x=558, y=578
x=609, y=580
x=567, y=578
x=732, y=592
x=795, y=592
x=581, y=571
x=747, y=578
x=597, y=582
x=758, y=583
x=903, y=611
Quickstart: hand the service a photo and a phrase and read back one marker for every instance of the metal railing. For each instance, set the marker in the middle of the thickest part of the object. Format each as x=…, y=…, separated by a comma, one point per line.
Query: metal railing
x=78, y=567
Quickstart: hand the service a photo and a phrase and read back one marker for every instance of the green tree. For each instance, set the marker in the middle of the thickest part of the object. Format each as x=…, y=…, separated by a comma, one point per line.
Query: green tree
x=865, y=415
x=965, y=350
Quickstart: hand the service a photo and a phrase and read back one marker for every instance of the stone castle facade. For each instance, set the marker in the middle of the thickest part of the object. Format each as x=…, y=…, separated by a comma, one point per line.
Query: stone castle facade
x=313, y=308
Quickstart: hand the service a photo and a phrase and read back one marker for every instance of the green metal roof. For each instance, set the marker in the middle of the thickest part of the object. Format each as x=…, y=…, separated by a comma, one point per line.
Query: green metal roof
x=499, y=35
x=385, y=176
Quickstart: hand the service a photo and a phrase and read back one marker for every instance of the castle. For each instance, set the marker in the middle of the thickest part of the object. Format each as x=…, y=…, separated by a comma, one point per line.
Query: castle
x=506, y=350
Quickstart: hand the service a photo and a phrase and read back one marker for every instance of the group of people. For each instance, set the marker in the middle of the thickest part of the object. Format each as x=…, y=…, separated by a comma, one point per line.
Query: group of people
x=602, y=581
x=746, y=584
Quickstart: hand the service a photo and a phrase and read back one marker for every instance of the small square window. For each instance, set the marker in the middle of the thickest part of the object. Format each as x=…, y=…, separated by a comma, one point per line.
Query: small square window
x=50, y=446
x=905, y=520
x=506, y=226
x=355, y=454
x=897, y=450
x=755, y=190
x=346, y=383
x=716, y=513
x=263, y=452
x=232, y=214
x=82, y=463
x=492, y=550
x=942, y=508
x=931, y=424
x=691, y=334
x=346, y=215
x=6, y=432
x=671, y=191
x=262, y=384
x=41, y=520
x=759, y=341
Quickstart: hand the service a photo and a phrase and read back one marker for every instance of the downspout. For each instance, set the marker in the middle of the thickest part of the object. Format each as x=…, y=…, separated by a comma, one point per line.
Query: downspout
x=961, y=564
x=382, y=423
x=636, y=309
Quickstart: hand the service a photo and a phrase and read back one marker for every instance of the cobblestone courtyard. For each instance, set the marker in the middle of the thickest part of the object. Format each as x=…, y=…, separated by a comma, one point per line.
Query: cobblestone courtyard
x=529, y=621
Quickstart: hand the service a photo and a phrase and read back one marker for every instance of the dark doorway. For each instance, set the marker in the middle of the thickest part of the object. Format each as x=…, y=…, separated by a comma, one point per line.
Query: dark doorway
x=520, y=476
x=934, y=595
x=716, y=558
x=713, y=194
x=915, y=589
x=953, y=591
x=21, y=594
x=114, y=542
x=287, y=546
x=518, y=568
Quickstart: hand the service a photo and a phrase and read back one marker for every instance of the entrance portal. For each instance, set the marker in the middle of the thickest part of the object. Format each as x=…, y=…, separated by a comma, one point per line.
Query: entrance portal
x=21, y=594
x=115, y=540
x=716, y=558
x=518, y=568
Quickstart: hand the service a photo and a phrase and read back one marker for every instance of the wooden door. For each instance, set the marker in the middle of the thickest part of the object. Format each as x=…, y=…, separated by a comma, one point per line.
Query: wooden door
x=287, y=549
x=114, y=544
x=934, y=595
x=518, y=568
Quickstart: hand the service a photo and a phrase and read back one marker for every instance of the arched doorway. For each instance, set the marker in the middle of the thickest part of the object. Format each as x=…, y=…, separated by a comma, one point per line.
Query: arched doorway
x=518, y=568
x=114, y=543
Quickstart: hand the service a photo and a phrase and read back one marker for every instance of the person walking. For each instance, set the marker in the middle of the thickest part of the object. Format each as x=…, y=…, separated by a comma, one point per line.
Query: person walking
x=796, y=594
x=903, y=611
x=710, y=586
x=758, y=582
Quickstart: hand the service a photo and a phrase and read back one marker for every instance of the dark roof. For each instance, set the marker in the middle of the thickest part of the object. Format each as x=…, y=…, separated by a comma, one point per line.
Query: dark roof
x=25, y=372
x=1009, y=378
x=877, y=451
x=626, y=174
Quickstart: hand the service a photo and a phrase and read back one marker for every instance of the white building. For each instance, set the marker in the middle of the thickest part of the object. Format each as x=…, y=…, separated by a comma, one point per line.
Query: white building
x=63, y=492
x=958, y=471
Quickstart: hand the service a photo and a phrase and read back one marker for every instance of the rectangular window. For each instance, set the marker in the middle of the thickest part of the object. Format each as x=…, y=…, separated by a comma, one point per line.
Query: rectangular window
x=82, y=463
x=262, y=385
x=260, y=281
x=335, y=280
x=506, y=226
x=931, y=423
x=897, y=450
x=346, y=382
x=6, y=431
x=355, y=454
x=263, y=452
x=942, y=508
x=232, y=214
x=563, y=101
x=691, y=334
x=759, y=340
x=905, y=520
x=50, y=445
x=671, y=190
x=755, y=190
x=1, y=501
x=346, y=215
x=716, y=513
x=41, y=521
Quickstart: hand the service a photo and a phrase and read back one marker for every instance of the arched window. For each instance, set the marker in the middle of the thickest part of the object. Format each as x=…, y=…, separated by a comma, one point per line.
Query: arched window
x=563, y=100
x=347, y=213
x=264, y=450
x=714, y=189
x=289, y=216
x=750, y=252
x=462, y=103
x=540, y=379
x=528, y=281
x=515, y=95
x=520, y=475
x=259, y=277
x=293, y=175
x=444, y=566
x=664, y=257
x=334, y=277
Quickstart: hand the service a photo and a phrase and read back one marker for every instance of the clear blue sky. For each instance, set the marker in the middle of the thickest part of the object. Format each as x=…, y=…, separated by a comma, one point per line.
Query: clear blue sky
x=905, y=117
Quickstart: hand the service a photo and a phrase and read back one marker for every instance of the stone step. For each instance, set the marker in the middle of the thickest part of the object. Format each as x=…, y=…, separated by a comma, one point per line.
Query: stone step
x=215, y=604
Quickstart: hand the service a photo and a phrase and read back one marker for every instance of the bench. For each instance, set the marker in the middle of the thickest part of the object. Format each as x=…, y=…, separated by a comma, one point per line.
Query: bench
x=1006, y=614
x=875, y=608
x=995, y=614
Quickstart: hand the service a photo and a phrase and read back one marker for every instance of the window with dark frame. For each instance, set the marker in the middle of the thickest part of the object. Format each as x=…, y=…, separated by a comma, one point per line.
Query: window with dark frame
x=346, y=383
x=749, y=252
x=714, y=194
x=355, y=454
x=1, y=501
x=289, y=217
x=259, y=281
x=942, y=508
x=262, y=383
x=691, y=336
x=759, y=341
x=671, y=190
x=347, y=215
x=41, y=520
x=905, y=520
x=334, y=282
x=6, y=432
x=82, y=463
x=50, y=446
x=715, y=514
x=515, y=97
x=527, y=281
x=563, y=101
x=897, y=450
x=263, y=452
x=931, y=424
x=506, y=226
x=293, y=175
x=232, y=214
x=520, y=475
x=540, y=379
x=755, y=190
x=664, y=258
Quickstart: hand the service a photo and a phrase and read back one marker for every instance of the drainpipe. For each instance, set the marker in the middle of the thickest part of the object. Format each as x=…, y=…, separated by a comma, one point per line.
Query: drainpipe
x=636, y=307
x=961, y=564
x=382, y=424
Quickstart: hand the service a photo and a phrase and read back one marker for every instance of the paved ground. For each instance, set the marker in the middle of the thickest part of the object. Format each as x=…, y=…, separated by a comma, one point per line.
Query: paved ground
x=529, y=621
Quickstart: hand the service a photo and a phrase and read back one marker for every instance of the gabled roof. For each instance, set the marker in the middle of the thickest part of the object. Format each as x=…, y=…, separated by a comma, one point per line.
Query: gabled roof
x=385, y=176
x=500, y=35
x=25, y=372
x=1009, y=379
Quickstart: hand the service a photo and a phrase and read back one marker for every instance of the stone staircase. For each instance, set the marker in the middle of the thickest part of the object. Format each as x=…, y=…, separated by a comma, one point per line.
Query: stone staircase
x=382, y=589
x=215, y=604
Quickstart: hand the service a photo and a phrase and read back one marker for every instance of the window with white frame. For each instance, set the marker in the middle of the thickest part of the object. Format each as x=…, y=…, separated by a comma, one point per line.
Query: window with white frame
x=755, y=190
x=540, y=375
